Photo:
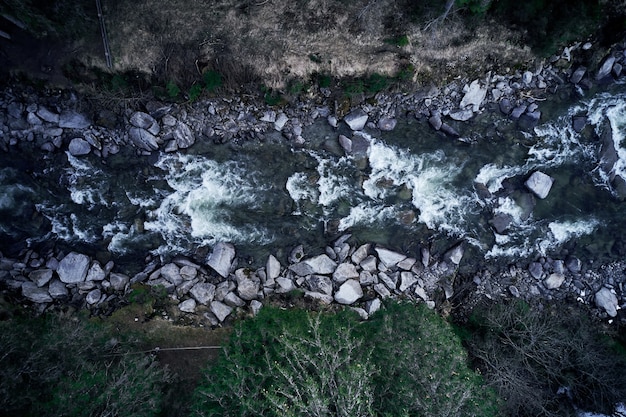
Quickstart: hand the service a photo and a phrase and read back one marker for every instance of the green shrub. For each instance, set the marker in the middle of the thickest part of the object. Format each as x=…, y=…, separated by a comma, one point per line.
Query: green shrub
x=399, y=41
x=194, y=92
x=212, y=80
x=172, y=90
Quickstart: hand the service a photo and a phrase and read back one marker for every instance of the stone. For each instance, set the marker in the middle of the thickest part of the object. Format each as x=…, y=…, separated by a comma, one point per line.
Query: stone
x=406, y=280
x=40, y=276
x=344, y=272
x=387, y=124
x=606, y=300
x=233, y=300
x=579, y=122
x=421, y=293
x=321, y=264
x=183, y=136
x=255, y=307
x=73, y=268
x=356, y=119
x=57, y=289
x=118, y=281
x=297, y=254
x=36, y=294
x=269, y=116
x=346, y=144
x=47, y=115
x=449, y=130
x=203, y=292
x=349, y=292
x=367, y=278
x=142, y=120
x=301, y=269
x=360, y=254
x=536, y=270
x=474, y=96
x=407, y=263
x=529, y=120
x=386, y=279
x=247, y=288
x=221, y=258
x=605, y=69
x=435, y=121
x=617, y=69
x=284, y=285
x=454, y=255
x=361, y=312
x=320, y=284
x=79, y=147
x=527, y=77
x=143, y=139
x=72, y=120
x=518, y=111
x=188, y=272
x=94, y=296
x=461, y=115
x=322, y=298
x=220, y=310
x=33, y=120
x=578, y=75
x=171, y=272
x=501, y=222
x=372, y=306
x=554, y=281
x=389, y=257
x=188, y=306
x=514, y=291
x=272, y=268
x=573, y=264
x=280, y=122
x=382, y=290
x=539, y=184
x=95, y=273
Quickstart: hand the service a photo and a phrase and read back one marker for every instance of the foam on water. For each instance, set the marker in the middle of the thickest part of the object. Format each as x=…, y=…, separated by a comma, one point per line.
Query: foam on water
x=87, y=184
x=333, y=183
x=367, y=213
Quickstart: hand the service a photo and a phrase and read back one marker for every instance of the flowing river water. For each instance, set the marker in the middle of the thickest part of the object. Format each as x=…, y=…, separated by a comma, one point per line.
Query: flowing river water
x=407, y=188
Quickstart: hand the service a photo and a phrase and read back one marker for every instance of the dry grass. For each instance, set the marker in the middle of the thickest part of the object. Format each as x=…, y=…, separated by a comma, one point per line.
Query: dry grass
x=272, y=41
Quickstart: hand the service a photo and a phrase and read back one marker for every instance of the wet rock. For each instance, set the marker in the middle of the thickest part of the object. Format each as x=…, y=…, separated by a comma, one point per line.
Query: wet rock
x=346, y=144
x=539, y=184
x=183, y=136
x=220, y=310
x=73, y=120
x=607, y=300
x=517, y=112
x=320, y=284
x=203, y=292
x=529, y=120
x=505, y=106
x=474, y=96
x=578, y=75
x=579, y=122
x=79, y=146
x=606, y=68
x=462, y=115
x=349, y=292
x=41, y=276
x=554, y=281
x=33, y=120
x=344, y=272
x=389, y=257
x=449, y=130
x=573, y=265
x=435, y=121
x=143, y=139
x=36, y=294
x=118, y=281
x=272, y=268
x=387, y=123
x=188, y=306
x=454, y=255
x=536, y=270
x=73, y=268
x=356, y=119
x=221, y=258
x=501, y=222
x=321, y=264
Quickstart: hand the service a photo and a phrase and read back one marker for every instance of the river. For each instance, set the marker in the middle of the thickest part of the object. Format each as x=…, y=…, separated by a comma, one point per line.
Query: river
x=408, y=188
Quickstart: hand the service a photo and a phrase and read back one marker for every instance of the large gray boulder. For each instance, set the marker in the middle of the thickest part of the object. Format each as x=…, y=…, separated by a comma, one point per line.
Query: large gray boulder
x=474, y=96
x=183, y=136
x=356, y=119
x=73, y=120
x=606, y=67
x=554, y=281
x=220, y=310
x=344, y=272
x=79, y=147
x=73, y=268
x=47, y=115
x=143, y=139
x=454, y=255
x=539, y=184
x=607, y=300
x=406, y=280
x=349, y=292
x=221, y=258
x=188, y=306
x=389, y=257
x=171, y=272
x=35, y=294
x=119, y=281
x=319, y=284
x=94, y=296
x=40, y=276
x=144, y=121
x=321, y=264
x=247, y=288
x=57, y=289
x=203, y=292
x=272, y=267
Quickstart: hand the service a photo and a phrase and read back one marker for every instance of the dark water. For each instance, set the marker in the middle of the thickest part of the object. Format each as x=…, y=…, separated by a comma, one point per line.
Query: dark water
x=411, y=187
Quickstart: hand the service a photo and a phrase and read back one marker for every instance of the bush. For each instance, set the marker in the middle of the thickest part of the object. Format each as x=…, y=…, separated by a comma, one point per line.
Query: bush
x=406, y=361
x=530, y=355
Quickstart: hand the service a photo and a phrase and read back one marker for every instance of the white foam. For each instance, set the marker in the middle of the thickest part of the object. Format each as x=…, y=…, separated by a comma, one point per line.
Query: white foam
x=492, y=176
x=87, y=183
x=333, y=184
x=300, y=187
x=563, y=231
x=366, y=214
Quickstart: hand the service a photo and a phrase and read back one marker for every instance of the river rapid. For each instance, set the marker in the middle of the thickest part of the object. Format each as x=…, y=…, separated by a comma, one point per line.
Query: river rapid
x=405, y=189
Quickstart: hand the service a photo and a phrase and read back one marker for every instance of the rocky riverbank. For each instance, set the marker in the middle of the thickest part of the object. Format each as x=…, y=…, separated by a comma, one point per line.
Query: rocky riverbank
x=348, y=274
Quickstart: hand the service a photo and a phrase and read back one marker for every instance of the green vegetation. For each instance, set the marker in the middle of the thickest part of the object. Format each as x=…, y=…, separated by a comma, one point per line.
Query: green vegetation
x=405, y=361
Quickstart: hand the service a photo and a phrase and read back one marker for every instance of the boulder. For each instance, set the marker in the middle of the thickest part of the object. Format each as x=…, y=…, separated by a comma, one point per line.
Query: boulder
x=272, y=268
x=389, y=257
x=605, y=69
x=321, y=264
x=73, y=268
x=203, y=292
x=221, y=258
x=367, y=278
x=406, y=280
x=41, y=276
x=95, y=273
x=301, y=269
x=247, y=288
x=386, y=279
x=188, y=272
x=280, y=122
x=578, y=75
x=344, y=272
x=407, y=263
x=372, y=306
x=73, y=120
x=449, y=130
x=529, y=120
x=579, y=122
x=501, y=222
x=536, y=270
x=349, y=292
x=474, y=96
x=320, y=284
x=47, y=115
x=32, y=119
x=505, y=106
x=518, y=111
x=143, y=139
x=255, y=307
x=435, y=121
x=143, y=120
x=183, y=136
x=387, y=124
x=462, y=115
x=94, y=296
x=220, y=310
x=57, y=289
x=284, y=285
x=606, y=300
x=539, y=184
x=360, y=253
x=322, y=298
x=297, y=254
x=233, y=300
x=79, y=146
x=554, y=281
x=188, y=306
x=171, y=272
x=356, y=119
x=36, y=294
x=346, y=144
x=118, y=281
x=454, y=255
